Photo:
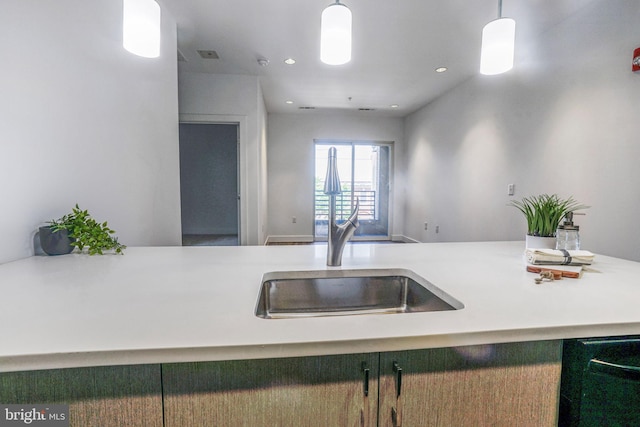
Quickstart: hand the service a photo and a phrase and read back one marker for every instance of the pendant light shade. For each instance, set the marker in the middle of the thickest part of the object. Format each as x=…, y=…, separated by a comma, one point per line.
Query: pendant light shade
x=141, y=27
x=335, y=34
x=498, y=41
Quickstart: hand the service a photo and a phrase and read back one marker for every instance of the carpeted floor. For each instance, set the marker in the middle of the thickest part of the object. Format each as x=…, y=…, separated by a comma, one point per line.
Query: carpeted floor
x=209, y=240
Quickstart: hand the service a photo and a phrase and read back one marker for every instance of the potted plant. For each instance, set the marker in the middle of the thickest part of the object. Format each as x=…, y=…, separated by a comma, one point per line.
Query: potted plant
x=82, y=231
x=543, y=214
x=55, y=242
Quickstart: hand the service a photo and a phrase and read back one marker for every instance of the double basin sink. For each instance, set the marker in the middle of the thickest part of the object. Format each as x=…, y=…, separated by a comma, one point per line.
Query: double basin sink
x=291, y=294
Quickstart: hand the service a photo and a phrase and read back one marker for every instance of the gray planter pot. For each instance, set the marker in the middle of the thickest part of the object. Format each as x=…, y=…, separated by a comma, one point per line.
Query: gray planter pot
x=58, y=243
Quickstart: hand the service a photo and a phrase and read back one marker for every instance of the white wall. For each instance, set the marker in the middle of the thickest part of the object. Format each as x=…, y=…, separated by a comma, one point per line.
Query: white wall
x=84, y=121
x=565, y=121
x=228, y=98
x=291, y=164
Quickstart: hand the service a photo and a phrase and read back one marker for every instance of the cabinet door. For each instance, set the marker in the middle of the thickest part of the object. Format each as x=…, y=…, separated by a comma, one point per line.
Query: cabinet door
x=515, y=384
x=307, y=391
x=99, y=396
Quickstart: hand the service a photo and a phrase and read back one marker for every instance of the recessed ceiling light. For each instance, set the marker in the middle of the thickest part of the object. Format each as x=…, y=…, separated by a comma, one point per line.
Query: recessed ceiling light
x=289, y=61
x=288, y=102
x=441, y=69
x=394, y=105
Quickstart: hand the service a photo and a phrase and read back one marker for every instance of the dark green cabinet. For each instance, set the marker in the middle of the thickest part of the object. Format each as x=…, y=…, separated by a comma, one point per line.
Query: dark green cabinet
x=485, y=385
x=97, y=396
x=515, y=384
x=340, y=390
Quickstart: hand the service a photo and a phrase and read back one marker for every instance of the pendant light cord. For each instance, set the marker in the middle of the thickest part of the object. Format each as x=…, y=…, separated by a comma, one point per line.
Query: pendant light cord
x=499, y=9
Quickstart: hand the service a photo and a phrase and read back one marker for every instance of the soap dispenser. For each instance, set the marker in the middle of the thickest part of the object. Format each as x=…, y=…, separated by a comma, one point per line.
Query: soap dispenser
x=567, y=234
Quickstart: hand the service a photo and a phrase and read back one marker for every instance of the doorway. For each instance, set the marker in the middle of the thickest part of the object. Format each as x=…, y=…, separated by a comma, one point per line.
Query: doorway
x=364, y=169
x=209, y=184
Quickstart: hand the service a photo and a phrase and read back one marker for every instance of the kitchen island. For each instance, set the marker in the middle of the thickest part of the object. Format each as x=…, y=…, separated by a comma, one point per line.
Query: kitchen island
x=187, y=304
x=171, y=333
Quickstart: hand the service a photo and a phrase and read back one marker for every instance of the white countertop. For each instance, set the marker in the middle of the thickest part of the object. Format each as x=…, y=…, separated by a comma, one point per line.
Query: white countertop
x=176, y=304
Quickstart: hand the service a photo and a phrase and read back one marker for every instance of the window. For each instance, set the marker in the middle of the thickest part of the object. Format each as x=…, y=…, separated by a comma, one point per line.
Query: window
x=365, y=170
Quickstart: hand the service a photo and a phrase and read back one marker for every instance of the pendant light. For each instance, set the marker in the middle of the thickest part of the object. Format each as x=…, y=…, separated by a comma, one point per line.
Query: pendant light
x=141, y=27
x=498, y=41
x=335, y=34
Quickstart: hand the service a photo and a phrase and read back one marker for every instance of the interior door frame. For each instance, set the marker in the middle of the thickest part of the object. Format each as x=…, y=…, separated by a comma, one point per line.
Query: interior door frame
x=241, y=122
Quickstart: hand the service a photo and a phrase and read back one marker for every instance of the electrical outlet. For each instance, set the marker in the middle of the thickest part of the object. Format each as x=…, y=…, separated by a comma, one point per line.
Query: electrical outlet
x=511, y=189
x=426, y=225
x=437, y=229
x=294, y=219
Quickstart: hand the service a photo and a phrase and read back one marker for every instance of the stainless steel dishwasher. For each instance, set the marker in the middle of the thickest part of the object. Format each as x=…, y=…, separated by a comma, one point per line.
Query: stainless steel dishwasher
x=600, y=383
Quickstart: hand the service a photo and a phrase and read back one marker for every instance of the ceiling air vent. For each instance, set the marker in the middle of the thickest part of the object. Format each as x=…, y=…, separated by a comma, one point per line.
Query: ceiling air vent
x=366, y=109
x=307, y=108
x=209, y=54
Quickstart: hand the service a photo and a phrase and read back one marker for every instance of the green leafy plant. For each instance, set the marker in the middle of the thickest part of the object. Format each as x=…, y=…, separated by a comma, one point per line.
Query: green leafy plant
x=544, y=213
x=87, y=232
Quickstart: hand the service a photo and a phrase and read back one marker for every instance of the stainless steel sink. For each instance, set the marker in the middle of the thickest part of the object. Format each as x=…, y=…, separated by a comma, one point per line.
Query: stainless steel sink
x=347, y=292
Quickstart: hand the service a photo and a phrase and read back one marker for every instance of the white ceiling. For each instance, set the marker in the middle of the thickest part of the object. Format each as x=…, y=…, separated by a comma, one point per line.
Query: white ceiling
x=396, y=47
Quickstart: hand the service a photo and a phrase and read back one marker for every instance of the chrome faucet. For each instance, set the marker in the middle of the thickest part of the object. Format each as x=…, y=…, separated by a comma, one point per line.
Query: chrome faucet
x=337, y=235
